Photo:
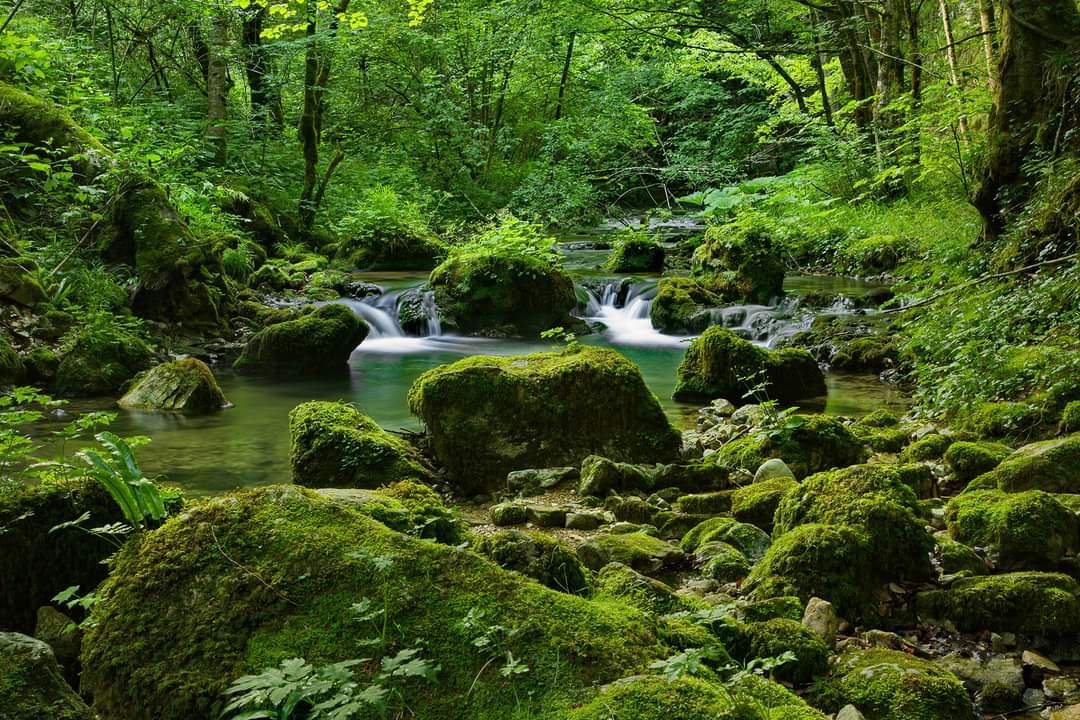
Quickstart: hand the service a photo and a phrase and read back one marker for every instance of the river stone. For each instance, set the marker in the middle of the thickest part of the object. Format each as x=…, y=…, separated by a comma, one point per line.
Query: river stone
x=60, y=633
x=186, y=385
x=1050, y=465
x=32, y=686
x=527, y=483
x=507, y=513
x=773, y=469
x=821, y=619
x=318, y=342
x=545, y=515
x=999, y=681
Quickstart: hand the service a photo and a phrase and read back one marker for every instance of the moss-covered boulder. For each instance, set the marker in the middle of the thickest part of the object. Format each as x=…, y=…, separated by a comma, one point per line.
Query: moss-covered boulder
x=1050, y=465
x=397, y=248
x=99, y=359
x=1002, y=419
x=873, y=499
x=741, y=261
x=1032, y=603
x=636, y=253
x=756, y=503
x=957, y=558
x=333, y=444
x=750, y=540
x=32, y=685
x=720, y=364
x=774, y=637
x=12, y=369
x=891, y=685
x=1070, y=418
x=622, y=582
x=722, y=562
x=681, y=306
x=19, y=282
x=239, y=583
x=183, y=385
x=636, y=550
x=319, y=341
x=817, y=443
x=968, y=460
x=407, y=506
x=600, y=476
x=1023, y=529
x=488, y=416
x=932, y=447
x=538, y=556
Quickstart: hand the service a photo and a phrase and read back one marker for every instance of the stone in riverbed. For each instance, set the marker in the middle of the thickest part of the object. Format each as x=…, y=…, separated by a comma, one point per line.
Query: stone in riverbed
x=600, y=476
x=1028, y=529
x=319, y=341
x=186, y=385
x=32, y=686
x=1029, y=603
x=772, y=469
x=821, y=619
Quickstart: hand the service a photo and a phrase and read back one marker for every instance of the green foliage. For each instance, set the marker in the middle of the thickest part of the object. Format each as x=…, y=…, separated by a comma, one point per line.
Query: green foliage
x=137, y=497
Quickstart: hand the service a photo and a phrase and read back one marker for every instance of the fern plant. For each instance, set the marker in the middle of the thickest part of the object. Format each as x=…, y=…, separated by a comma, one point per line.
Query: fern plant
x=119, y=474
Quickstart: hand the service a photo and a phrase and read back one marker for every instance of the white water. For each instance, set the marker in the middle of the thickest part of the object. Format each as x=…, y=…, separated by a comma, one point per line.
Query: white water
x=389, y=338
x=629, y=323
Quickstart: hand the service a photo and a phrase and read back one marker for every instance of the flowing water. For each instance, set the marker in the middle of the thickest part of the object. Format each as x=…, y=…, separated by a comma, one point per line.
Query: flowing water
x=247, y=444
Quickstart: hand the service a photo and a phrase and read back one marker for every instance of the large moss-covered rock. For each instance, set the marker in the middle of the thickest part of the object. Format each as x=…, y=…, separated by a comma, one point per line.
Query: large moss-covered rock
x=891, y=685
x=316, y=342
x=741, y=261
x=1024, y=529
x=681, y=306
x=487, y=416
x=636, y=254
x=968, y=460
x=874, y=499
x=643, y=592
x=333, y=444
x=636, y=550
x=1032, y=603
x=750, y=540
x=19, y=282
x=774, y=637
x=756, y=503
x=407, y=506
x=720, y=364
x=819, y=443
x=539, y=556
x=1050, y=465
x=32, y=685
x=12, y=369
x=185, y=385
x=394, y=249
x=100, y=360
x=242, y=582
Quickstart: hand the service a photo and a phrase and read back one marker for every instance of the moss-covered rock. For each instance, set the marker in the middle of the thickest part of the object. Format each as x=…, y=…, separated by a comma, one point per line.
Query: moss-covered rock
x=717, y=364
x=891, y=685
x=274, y=277
x=276, y=571
x=931, y=447
x=774, y=637
x=874, y=499
x=12, y=369
x=622, y=582
x=636, y=253
x=722, y=562
x=681, y=306
x=957, y=558
x=756, y=503
x=1050, y=465
x=884, y=440
x=651, y=697
x=750, y=540
x=819, y=443
x=407, y=506
x=741, y=261
x=711, y=503
x=19, y=282
x=968, y=460
x=1024, y=529
x=487, y=416
x=1002, y=419
x=32, y=685
x=637, y=550
x=539, y=556
x=600, y=476
x=396, y=251
x=778, y=702
x=872, y=353
x=335, y=445
x=186, y=385
x=98, y=359
x=1070, y=418
x=320, y=341
x=1032, y=603
x=879, y=419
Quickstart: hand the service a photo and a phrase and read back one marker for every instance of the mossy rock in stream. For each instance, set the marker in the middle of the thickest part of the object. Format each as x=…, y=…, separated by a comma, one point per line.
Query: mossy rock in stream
x=407, y=506
x=741, y=261
x=317, y=342
x=1051, y=465
x=1032, y=603
x=32, y=685
x=756, y=503
x=186, y=385
x=239, y=583
x=1028, y=529
x=333, y=444
x=720, y=364
x=681, y=306
x=819, y=443
x=488, y=416
x=636, y=253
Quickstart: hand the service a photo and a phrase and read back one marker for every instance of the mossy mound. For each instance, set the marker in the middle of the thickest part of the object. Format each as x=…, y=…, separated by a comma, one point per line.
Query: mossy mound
x=636, y=253
x=320, y=341
x=32, y=685
x=636, y=550
x=681, y=306
x=19, y=282
x=1024, y=529
x=774, y=637
x=833, y=562
x=502, y=294
x=183, y=385
x=741, y=261
x=968, y=460
x=12, y=369
x=722, y=562
x=600, y=476
x=717, y=364
x=275, y=572
x=931, y=447
x=872, y=353
x=819, y=443
x=1032, y=603
x=874, y=499
x=401, y=250
x=407, y=506
x=622, y=582
x=957, y=558
x=756, y=503
x=95, y=363
x=335, y=445
x=273, y=276
x=487, y=416
x=1070, y=418
x=1002, y=420
x=879, y=419
x=652, y=697
x=891, y=685
x=539, y=556
x=1050, y=465
x=750, y=540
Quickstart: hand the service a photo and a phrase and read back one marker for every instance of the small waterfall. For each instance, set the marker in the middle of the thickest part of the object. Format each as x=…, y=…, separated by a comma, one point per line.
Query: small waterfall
x=401, y=321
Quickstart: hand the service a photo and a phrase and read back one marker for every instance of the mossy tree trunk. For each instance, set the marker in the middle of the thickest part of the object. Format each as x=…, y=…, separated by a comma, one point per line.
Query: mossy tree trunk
x=217, y=88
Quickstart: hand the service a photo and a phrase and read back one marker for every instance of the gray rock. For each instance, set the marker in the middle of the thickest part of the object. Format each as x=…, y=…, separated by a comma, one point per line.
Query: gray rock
x=584, y=520
x=773, y=469
x=849, y=712
x=60, y=633
x=545, y=515
x=747, y=415
x=527, y=483
x=32, y=686
x=722, y=407
x=821, y=619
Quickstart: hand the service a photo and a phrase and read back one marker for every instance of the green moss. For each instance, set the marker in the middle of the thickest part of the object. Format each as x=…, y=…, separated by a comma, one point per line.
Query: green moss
x=19, y=283
x=756, y=503
x=749, y=539
x=968, y=460
x=600, y=476
x=887, y=440
x=1032, y=603
x=819, y=443
x=833, y=562
x=1001, y=419
x=272, y=276
x=873, y=254
x=774, y=637
x=1024, y=529
x=717, y=363
x=891, y=685
x=681, y=306
x=919, y=477
x=874, y=499
x=186, y=385
x=623, y=583
x=1051, y=465
x=1070, y=418
x=99, y=356
x=636, y=253
x=276, y=570
x=712, y=503
x=11, y=365
x=741, y=260
x=931, y=447
x=781, y=703
x=406, y=506
x=872, y=353
x=722, y=562
x=541, y=557
x=654, y=698
x=638, y=550
x=957, y=558
x=879, y=419
x=32, y=685
x=335, y=445
x=316, y=342
x=487, y=416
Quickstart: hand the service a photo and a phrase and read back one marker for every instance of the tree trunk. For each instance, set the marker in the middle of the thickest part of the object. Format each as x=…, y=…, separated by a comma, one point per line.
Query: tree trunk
x=217, y=89
x=950, y=54
x=819, y=70
x=565, y=75
x=1028, y=110
x=986, y=24
x=265, y=98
